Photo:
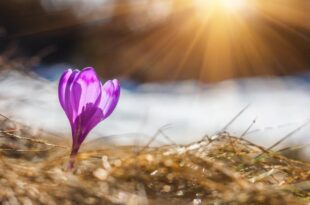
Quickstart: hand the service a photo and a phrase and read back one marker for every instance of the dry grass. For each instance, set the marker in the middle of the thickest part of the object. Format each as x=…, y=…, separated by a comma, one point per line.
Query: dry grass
x=221, y=170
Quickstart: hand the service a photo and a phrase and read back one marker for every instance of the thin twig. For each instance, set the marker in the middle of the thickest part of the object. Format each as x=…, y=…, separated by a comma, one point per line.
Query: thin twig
x=6, y=117
x=288, y=135
x=252, y=144
x=291, y=148
x=248, y=129
x=233, y=119
x=270, y=128
x=33, y=140
x=26, y=150
x=167, y=137
x=154, y=137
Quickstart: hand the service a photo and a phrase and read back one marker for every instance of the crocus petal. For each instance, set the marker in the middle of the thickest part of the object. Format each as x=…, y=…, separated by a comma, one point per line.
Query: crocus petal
x=110, y=97
x=71, y=114
x=90, y=118
x=87, y=86
x=62, y=86
x=64, y=91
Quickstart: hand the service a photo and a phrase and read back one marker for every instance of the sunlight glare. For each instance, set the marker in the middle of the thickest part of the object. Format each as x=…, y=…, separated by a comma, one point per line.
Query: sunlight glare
x=227, y=6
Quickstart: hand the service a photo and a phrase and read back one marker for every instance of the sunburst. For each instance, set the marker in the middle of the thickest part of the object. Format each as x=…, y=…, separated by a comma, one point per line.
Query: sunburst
x=212, y=40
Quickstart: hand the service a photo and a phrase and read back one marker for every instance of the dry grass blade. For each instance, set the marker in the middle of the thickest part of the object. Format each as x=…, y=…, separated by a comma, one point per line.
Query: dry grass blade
x=234, y=119
x=292, y=148
x=288, y=135
x=248, y=129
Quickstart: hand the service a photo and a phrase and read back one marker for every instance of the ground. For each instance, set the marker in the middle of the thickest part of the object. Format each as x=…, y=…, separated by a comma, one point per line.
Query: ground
x=221, y=169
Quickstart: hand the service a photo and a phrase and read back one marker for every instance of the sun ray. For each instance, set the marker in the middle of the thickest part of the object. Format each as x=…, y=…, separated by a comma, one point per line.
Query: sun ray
x=214, y=40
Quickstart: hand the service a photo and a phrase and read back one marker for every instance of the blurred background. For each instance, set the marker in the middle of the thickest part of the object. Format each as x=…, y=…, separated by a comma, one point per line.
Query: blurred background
x=189, y=64
x=161, y=40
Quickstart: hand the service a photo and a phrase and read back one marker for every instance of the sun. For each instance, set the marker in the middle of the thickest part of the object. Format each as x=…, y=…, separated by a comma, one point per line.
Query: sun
x=232, y=5
x=221, y=6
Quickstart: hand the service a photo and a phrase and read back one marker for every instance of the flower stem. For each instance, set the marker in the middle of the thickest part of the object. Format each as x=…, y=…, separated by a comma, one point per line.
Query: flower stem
x=72, y=159
x=71, y=163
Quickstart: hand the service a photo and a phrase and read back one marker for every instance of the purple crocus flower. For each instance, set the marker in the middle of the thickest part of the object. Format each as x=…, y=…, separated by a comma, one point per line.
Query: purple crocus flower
x=86, y=102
